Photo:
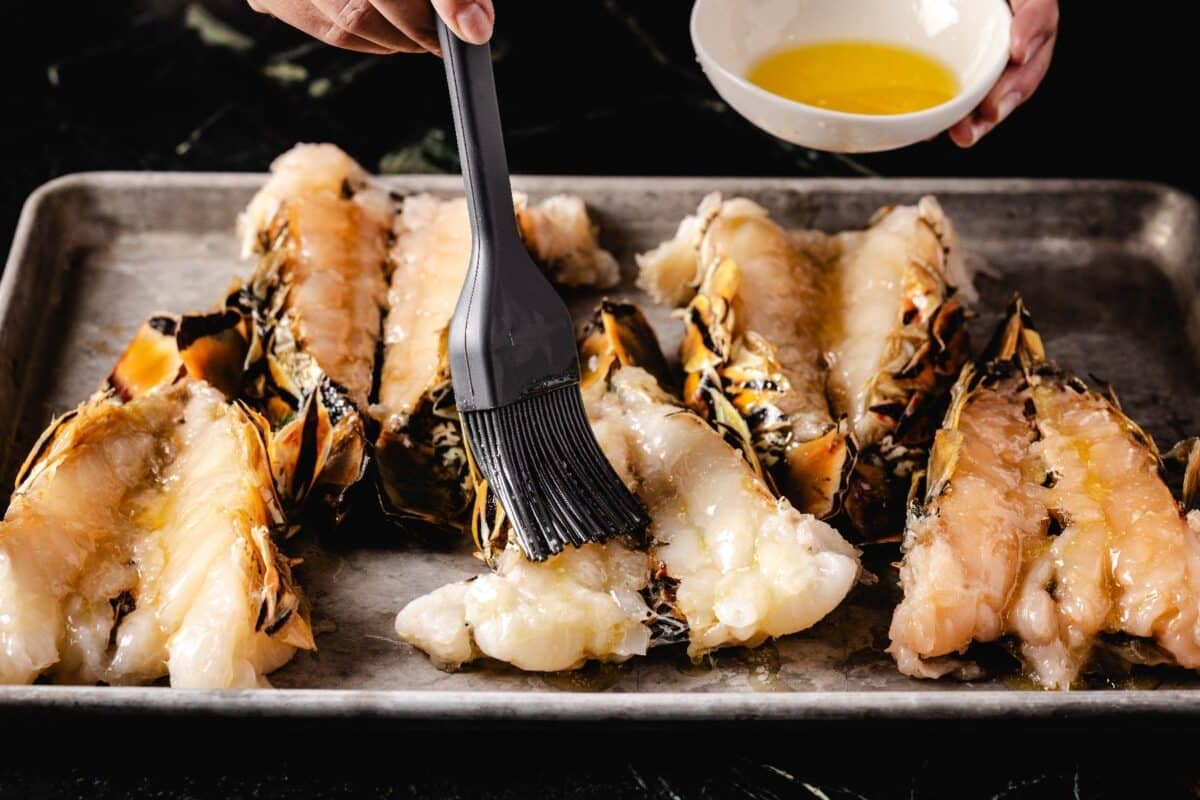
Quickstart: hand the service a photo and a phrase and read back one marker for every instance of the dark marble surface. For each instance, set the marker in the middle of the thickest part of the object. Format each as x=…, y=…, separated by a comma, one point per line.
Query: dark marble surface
x=608, y=86
x=589, y=86
x=810, y=763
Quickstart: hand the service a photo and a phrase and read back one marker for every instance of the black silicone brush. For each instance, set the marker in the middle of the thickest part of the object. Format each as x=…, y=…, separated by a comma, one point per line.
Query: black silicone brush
x=512, y=351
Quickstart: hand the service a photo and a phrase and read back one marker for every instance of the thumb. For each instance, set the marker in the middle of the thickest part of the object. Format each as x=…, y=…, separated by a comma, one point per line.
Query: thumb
x=471, y=20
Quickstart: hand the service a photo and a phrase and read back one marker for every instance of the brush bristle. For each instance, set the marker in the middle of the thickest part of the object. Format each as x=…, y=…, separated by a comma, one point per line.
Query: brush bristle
x=541, y=458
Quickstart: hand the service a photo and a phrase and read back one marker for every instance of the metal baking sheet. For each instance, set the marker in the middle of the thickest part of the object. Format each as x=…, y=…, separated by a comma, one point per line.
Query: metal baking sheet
x=1111, y=271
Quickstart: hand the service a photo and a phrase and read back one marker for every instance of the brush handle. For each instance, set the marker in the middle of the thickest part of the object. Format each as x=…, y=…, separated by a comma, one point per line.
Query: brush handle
x=480, y=140
x=511, y=336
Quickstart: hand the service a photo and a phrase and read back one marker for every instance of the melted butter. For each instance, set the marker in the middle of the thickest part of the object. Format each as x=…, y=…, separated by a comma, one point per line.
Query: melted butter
x=1022, y=683
x=763, y=667
x=594, y=676
x=700, y=664
x=856, y=77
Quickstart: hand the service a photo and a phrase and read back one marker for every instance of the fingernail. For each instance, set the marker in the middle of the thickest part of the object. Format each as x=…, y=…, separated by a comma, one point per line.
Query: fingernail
x=1007, y=105
x=1033, y=48
x=978, y=131
x=474, y=24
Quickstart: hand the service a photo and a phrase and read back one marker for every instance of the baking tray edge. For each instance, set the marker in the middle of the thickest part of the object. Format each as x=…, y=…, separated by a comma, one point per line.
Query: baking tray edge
x=401, y=705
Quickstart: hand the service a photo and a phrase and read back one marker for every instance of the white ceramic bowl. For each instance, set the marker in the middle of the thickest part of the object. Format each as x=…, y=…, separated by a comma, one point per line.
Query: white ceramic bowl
x=969, y=36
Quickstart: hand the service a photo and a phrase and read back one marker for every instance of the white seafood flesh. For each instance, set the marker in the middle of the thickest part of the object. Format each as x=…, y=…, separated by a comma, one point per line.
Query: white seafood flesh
x=318, y=169
x=1126, y=561
x=748, y=566
x=909, y=255
x=581, y=604
x=328, y=227
x=430, y=257
x=963, y=564
x=782, y=295
x=1049, y=522
x=671, y=272
x=138, y=546
x=832, y=307
x=987, y=564
x=560, y=234
x=420, y=455
x=831, y=348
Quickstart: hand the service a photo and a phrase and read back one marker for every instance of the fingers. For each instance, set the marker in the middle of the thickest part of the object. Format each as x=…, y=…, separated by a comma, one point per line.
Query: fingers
x=471, y=20
x=1015, y=86
x=413, y=18
x=1034, y=23
x=962, y=133
x=1034, y=29
x=363, y=19
x=383, y=26
x=303, y=15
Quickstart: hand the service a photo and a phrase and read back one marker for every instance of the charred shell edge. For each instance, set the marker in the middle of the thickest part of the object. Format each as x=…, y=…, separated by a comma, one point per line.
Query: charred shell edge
x=735, y=385
x=618, y=333
x=309, y=412
x=316, y=438
x=909, y=397
x=422, y=467
x=45, y=441
x=1187, y=453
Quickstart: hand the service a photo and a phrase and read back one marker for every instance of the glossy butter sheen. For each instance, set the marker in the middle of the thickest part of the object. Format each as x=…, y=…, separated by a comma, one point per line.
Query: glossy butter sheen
x=857, y=77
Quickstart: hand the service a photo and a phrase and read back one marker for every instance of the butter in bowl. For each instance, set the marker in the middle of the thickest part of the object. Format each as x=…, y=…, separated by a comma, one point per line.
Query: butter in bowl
x=852, y=76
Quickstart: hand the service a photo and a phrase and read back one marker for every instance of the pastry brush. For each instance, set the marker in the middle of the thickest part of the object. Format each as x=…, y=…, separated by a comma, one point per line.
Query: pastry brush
x=513, y=360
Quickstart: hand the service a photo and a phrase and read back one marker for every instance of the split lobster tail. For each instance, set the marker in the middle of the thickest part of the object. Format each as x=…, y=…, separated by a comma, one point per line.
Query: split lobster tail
x=420, y=455
x=829, y=357
x=1045, y=520
x=319, y=230
x=140, y=544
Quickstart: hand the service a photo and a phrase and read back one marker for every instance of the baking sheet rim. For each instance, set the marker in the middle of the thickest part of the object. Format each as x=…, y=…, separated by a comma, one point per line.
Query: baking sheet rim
x=400, y=704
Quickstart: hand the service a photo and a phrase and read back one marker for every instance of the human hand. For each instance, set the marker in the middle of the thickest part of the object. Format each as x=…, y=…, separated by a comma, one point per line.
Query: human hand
x=1034, y=31
x=383, y=26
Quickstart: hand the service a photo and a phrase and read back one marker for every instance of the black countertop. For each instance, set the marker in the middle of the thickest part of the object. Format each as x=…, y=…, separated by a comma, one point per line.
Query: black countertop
x=813, y=762
x=589, y=86
x=606, y=87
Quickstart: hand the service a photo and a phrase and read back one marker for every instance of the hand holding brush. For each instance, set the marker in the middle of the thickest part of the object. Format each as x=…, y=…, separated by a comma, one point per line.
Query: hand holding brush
x=512, y=351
